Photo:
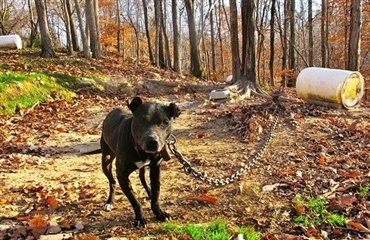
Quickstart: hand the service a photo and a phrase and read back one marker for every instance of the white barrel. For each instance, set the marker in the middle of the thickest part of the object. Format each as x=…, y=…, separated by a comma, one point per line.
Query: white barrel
x=330, y=85
x=11, y=41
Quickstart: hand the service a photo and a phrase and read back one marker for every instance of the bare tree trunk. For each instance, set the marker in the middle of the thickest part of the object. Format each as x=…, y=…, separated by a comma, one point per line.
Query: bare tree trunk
x=292, y=35
x=219, y=33
x=272, y=42
x=146, y=23
x=97, y=24
x=85, y=42
x=212, y=28
x=310, y=34
x=260, y=42
x=285, y=42
x=147, y=32
x=354, y=49
x=248, y=30
x=92, y=27
x=176, y=38
x=163, y=15
x=323, y=35
x=74, y=37
x=234, y=42
x=159, y=54
x=196, y=68
x=47, y=49
x=118, y=20
x=33, y=24
x=68, y=28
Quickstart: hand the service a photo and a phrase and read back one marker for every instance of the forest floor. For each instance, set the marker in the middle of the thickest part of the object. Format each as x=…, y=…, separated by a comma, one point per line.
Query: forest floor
x=49, y=190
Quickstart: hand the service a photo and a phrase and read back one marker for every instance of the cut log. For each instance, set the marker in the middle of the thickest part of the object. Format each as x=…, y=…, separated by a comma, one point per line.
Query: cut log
x=10, y=42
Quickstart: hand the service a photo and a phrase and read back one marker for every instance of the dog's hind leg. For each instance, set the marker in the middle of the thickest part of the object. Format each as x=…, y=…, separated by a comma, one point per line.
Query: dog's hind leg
x=143, y=182
x=106, y=161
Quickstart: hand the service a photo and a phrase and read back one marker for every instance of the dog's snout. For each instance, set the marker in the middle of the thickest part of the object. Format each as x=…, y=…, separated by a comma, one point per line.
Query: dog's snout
x=151, y=143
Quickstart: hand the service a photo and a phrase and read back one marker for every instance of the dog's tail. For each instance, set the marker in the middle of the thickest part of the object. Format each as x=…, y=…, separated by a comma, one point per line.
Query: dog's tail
x=91, y=152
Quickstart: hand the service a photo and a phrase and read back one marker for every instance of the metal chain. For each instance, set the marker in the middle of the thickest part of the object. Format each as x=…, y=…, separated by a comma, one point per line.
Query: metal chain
x=189, y=169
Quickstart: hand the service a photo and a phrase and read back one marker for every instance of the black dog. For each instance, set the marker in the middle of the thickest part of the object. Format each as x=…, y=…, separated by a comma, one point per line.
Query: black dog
x=137, y=140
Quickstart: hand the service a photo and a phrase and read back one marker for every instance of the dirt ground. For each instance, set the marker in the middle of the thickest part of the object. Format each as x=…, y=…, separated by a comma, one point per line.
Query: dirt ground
x=42, y=173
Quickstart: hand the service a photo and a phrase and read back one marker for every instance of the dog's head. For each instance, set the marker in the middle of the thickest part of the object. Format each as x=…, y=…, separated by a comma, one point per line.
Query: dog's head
x=152, y=124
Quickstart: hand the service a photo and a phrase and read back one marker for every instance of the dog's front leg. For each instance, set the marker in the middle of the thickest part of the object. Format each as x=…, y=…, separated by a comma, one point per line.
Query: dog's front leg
x=155, y=175
x=124, y=181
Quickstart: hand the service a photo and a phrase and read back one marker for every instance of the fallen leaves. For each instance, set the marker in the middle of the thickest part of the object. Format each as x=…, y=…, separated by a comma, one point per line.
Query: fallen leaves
x=202, y=198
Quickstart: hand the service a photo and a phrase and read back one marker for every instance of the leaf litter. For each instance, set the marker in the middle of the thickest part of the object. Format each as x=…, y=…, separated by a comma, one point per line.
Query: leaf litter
x=51, y=191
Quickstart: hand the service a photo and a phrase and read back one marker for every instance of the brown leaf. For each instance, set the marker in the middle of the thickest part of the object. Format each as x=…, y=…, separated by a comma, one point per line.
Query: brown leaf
x=203, y=198
x=52, y=201
x=348, y=200
x=86, y=236
x=353, y=174
x=201, y=134
x=300, y=209
x=65, y=224
x=322, y=159
x=357, y=226
x=38, y=221
x=20, y=233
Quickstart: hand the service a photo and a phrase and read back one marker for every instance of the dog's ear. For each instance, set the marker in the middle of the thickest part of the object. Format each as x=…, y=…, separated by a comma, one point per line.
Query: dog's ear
x=175, y=110
x=135, y=103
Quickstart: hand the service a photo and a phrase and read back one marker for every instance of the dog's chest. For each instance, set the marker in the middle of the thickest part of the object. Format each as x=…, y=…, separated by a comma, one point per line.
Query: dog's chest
x=140, y=164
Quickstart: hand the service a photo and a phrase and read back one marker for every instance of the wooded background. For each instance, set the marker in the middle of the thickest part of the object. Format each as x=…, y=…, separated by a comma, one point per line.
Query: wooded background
x=267, y=41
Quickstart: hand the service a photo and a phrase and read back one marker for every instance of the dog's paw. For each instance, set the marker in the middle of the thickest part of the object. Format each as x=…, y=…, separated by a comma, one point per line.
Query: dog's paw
x=140, y=223
x=107, y=207
x=163, y=216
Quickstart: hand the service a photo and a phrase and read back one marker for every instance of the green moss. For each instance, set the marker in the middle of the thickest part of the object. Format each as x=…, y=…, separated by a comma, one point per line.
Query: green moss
x=22, y=90
x=316, y=212
x=216, y=230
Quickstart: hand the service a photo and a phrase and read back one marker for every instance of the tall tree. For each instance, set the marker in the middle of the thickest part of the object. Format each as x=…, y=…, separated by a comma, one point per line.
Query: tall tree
x=147, y=31
x=244, y=74
x=85, y=41
x=47, y=48
x=74, y=36
x=272, y=41
x=354, y=49
x=284, y=42
x=196, y=68
x=176, y=37
x=68, y=27
x=33, y=25
x=212, y=29
x=219, y=34
x=292, y=62
x=118, y=21
x=323, y=34
x=159, y=50
x=91, y=23
x=248, y=47
x=234, y=42
x=163, y=14
x=310, y=34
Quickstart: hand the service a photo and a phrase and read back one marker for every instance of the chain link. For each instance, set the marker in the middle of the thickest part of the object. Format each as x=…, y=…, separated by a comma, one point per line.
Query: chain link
x=190, y=170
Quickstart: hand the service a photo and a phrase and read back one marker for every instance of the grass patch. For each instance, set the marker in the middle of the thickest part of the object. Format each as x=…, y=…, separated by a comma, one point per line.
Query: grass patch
x=22, y=90
x=216, y=230
x=314, y=211
x=364, y=190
